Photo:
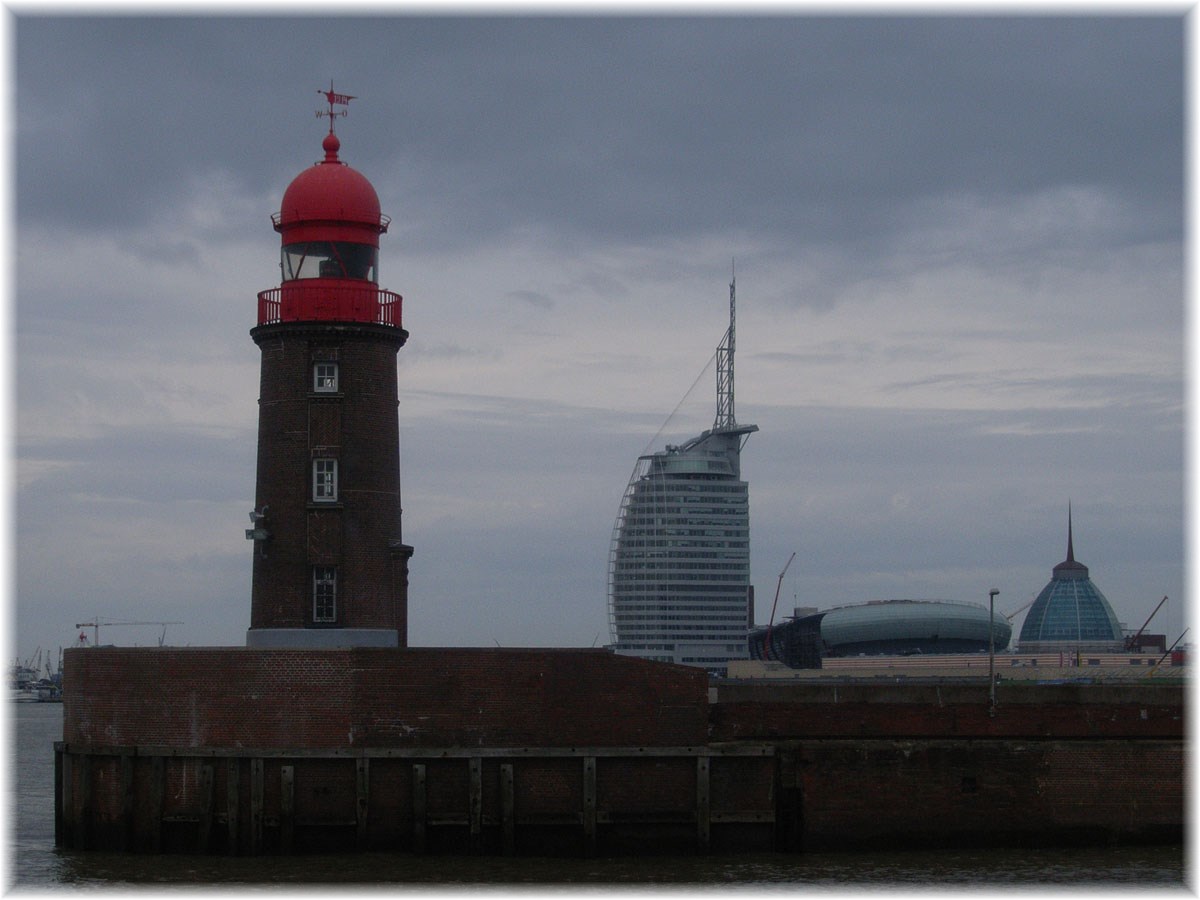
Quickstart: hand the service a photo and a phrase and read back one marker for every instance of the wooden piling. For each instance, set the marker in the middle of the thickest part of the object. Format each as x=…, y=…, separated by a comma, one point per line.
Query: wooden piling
x=362, y=779
x=157, y=789
x=589, y=806
x=475, y=804
x=703, y=804
x=232, y=778
x=287, y=808
x=126, y=788
x=507, y=811
x=85, y=802
x=58, y=795
x=256, y=805
x=204, y=827
x=419, y=810
x=68, y=800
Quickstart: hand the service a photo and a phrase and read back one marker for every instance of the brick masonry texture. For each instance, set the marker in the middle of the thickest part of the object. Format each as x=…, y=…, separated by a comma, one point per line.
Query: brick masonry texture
x=359, y=427
x=766, y=712
x=856, y=766
x=369, y=697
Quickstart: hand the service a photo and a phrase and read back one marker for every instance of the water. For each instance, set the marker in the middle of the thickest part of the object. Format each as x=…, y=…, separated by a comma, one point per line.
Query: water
x=35, y=865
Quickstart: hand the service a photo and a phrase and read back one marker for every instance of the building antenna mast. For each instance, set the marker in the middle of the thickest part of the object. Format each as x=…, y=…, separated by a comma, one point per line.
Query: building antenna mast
x=725, y=416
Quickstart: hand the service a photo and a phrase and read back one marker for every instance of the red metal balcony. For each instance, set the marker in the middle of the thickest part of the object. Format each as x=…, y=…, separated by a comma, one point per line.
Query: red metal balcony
x=329, y=300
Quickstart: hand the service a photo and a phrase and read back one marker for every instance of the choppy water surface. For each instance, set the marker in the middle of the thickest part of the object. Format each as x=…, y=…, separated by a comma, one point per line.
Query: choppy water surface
x=34, y=864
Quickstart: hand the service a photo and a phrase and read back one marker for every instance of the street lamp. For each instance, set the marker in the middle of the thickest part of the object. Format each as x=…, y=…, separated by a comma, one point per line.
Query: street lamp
x=992, y=651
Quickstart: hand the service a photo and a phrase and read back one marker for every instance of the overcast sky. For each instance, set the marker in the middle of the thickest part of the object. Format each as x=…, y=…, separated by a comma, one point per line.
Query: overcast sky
x=959, y=251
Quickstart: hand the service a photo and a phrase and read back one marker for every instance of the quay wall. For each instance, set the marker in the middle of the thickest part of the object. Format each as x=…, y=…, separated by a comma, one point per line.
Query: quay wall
x=370, y=697
x=758, y=711
x=236, y=750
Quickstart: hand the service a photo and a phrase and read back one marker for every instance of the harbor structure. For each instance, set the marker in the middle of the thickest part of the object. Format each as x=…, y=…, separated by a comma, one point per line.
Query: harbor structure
x=314, y=738
x=330, y=568
x=679, y=559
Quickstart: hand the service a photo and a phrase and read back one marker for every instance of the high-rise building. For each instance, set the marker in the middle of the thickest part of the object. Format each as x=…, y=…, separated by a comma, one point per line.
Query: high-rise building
x=679, y=563
x=330, y=569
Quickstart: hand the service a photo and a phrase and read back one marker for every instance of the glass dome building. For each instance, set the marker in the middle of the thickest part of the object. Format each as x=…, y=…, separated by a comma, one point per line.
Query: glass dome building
x=882, y=628
x=1070, y=613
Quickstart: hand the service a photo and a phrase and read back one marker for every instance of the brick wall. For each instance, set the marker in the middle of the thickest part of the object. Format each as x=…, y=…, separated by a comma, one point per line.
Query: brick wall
x=928, y=794
x=358, y=426
x=909, y=768
x=417, y=697
x=772, y=712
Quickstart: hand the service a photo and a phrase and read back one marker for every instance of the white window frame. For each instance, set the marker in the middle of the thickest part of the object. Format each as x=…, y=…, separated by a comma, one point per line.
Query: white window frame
x=325, y=480
x=325, y=377
x=324, y=594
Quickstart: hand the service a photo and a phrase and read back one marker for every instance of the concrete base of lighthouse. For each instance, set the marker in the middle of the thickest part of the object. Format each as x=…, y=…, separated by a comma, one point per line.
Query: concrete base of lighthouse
x=320, y=638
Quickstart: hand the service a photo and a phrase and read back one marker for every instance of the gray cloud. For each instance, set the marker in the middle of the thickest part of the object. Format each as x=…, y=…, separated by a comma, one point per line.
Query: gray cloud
x=958, y=243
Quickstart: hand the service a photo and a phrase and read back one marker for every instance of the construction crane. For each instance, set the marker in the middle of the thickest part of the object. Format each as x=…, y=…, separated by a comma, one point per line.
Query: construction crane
x=1162, y=658
x=771, y=621
x=1009, y=616
x=1131, y=643
x=97, y=622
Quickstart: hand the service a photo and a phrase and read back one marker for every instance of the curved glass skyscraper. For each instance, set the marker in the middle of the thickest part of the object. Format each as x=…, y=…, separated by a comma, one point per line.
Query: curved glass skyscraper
x=679, y=562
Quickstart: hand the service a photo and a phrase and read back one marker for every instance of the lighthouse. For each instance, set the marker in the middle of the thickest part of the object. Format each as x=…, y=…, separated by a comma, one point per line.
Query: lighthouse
x=330, y=567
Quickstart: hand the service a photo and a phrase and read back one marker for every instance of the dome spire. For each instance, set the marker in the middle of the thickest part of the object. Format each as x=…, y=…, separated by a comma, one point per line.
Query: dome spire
x=1070, y=540
x=1069, y=568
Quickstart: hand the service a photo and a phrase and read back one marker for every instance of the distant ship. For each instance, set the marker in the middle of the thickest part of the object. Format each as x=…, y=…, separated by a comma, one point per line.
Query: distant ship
x=27, y=684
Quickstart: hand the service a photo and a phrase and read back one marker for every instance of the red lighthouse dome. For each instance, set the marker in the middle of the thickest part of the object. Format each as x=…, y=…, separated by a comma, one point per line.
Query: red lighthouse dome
x=330, y=199
x=330, y=224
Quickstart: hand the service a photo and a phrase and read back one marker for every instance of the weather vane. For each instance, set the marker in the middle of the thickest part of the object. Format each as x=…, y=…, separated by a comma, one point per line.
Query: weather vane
x=333, y=98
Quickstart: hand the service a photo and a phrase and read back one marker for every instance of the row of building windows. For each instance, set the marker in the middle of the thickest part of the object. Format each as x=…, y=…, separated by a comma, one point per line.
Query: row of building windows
x=661, y=586
x=687, y=505
x=695, y=503
x=668, y=522
x=659, y=579
x=676, y=632
x=730, y=648
x=690, y=532
x=725, y=611
x=721, y=605
x=629, y=544
x=674, y=516
x=683, y=554
x=630, y=620
x=658, y=483
x=683, y=565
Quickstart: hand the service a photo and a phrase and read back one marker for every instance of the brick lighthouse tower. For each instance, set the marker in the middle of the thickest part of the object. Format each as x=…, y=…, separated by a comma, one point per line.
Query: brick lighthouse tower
x=330, y=569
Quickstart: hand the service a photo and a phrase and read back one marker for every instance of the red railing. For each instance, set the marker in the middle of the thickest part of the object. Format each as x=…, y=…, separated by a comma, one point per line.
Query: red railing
x=329, y=300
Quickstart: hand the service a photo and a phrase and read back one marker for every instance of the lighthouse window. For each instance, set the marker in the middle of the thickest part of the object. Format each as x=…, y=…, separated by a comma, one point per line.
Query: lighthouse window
x=324, y=480
x=324, y=593
x=325, y=377
x=329, y=259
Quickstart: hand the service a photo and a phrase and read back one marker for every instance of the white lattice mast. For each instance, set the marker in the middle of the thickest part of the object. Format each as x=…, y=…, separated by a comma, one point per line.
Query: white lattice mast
x=725, y=416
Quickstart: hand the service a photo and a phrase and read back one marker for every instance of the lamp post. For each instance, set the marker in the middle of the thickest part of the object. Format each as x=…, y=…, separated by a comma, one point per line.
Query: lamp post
x=992, y=651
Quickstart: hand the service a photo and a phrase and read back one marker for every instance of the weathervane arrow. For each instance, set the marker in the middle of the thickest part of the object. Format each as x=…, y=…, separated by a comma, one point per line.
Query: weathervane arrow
x=334, y=98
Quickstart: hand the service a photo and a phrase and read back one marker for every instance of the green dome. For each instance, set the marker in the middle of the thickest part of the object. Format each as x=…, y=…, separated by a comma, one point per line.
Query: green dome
x=1070, y=610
